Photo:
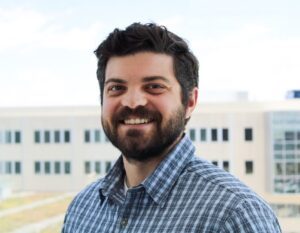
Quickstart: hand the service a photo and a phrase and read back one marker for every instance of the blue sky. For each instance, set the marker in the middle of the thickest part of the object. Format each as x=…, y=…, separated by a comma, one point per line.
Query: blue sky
x=46, y=47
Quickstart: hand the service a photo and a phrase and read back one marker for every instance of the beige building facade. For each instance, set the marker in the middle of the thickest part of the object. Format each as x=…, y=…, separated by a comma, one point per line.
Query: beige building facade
x=64, y=149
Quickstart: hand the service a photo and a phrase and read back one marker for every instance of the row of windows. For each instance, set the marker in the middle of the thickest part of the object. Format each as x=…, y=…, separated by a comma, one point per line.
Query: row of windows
x=224, y=164
x=292, y=135
x=98, y=136
x=56, y=167
x=286, y=155
x=290, y=184
x=95, y=167
x=286, y=210
x=287, y=168
x=215, y=134
x=249, y=168
x=52, y=136
x=64, y=167
x=10, y=167
x=10, y=136
x=95, y=135
x=287, y=146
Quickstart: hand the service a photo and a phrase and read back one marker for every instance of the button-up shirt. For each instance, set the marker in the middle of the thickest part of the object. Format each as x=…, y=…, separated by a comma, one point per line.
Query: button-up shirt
x=183, y=194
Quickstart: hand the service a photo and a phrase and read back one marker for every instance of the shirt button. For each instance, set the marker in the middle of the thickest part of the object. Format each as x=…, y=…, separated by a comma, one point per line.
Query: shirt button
x=124, y=222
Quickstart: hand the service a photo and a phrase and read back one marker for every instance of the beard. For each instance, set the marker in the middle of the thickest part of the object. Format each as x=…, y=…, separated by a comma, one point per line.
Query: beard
x=139, y=145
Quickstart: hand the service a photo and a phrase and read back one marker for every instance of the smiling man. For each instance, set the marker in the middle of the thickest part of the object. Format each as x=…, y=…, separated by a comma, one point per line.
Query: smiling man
x=148, y=82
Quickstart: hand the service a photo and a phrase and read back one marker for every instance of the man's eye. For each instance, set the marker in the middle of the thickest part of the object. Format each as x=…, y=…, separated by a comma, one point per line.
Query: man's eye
x=115, y=89
x=155, y=88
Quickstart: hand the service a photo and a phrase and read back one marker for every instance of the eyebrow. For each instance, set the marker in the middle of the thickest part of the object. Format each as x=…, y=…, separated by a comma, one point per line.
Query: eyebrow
x=145, y=79
x=114, y=80
x=154, y=78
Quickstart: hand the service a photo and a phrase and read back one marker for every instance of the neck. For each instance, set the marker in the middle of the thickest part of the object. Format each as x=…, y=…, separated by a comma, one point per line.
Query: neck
x=138, y=171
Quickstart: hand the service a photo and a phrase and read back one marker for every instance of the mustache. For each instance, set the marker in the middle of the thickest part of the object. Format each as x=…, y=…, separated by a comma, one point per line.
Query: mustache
x=140, y=112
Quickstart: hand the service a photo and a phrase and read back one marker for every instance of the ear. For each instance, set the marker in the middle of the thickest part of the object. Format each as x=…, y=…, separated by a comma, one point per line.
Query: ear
x=192, y=102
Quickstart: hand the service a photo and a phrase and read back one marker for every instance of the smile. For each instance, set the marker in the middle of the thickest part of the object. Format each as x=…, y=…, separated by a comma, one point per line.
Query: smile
x=136, y=121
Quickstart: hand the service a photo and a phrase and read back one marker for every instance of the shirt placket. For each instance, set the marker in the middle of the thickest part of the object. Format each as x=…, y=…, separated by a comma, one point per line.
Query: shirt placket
x=126, y=210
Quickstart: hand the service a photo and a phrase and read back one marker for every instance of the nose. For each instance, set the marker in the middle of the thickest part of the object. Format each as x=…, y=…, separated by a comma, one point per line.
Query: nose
x=134, y=99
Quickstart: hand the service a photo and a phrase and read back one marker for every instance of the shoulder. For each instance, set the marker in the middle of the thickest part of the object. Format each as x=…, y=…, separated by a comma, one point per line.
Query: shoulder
x=215, y=178
x=236, y=204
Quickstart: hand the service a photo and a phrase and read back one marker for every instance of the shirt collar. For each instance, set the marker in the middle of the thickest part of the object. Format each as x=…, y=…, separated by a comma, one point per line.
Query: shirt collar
x=112, y=184
x=159, y=183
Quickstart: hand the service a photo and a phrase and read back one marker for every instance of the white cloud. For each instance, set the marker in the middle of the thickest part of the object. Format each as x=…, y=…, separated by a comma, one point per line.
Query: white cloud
x=28, y=28
x=250, y=59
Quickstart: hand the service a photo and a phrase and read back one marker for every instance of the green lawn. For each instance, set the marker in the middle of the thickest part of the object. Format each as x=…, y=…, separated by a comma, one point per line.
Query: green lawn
x=19, y=201
x=53, y=229
x=14, y=221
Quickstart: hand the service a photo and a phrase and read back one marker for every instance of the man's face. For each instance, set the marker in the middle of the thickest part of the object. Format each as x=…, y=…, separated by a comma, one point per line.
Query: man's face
x=142, y=111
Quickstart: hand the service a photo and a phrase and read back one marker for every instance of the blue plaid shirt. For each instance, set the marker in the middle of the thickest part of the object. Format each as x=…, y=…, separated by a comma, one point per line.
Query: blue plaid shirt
x=183, y=194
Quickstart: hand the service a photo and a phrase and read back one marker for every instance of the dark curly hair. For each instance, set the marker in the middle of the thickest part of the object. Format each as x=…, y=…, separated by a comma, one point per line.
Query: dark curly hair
x=150, y=38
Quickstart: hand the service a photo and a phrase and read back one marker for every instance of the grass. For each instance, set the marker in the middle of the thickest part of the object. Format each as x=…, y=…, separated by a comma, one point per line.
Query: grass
x=53, y=229
x=35, y=215
x=19, y=201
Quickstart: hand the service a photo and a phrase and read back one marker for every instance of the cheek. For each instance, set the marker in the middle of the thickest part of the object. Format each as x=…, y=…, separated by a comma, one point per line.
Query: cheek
x=167, y=106
x=108, y=108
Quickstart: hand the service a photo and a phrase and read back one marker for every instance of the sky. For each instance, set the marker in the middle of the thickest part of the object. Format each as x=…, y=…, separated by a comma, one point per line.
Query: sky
x=46, y=47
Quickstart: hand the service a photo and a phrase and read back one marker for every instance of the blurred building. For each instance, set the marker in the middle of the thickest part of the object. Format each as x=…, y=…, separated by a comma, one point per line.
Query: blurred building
x=64, y=149
x=293, y=94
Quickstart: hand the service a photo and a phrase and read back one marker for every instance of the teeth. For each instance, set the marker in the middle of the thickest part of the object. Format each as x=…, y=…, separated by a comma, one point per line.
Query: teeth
x=136, y=121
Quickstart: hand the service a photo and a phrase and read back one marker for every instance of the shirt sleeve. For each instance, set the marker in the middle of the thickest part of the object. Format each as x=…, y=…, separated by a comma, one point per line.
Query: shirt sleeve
x=252, y=217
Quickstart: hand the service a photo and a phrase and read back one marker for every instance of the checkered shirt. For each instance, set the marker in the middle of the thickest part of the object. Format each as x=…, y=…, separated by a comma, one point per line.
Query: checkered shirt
x=183, y=194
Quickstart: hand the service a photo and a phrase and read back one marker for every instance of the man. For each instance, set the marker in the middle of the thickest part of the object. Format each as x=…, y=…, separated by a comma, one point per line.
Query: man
x=148, y=80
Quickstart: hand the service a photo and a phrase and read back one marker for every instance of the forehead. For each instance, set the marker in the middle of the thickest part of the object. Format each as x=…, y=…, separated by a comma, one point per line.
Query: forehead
x=139, y=65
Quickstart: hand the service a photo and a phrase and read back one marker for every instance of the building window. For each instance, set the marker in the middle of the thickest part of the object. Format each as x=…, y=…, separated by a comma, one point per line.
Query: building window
x=279, y=169
x=67, y=168
x=215, y=163
x=290, y=168
x=249, y=167
x=67, y=136
x=278, y=146
x=107, y=166
x=47, y=136
x=97, y=135
x=192, y=134
x=214, y=135
x=248, y=134
x=290, y=146
x=8, y=137
x=98, y=167
x=18, y=168
x=47, y=167
x=87, y=167
x=225, y=135
x=17, y=137
x=203, y=135
x=37, y=167
x=57, y=169
x=226, y=165
x=87, y=136
x=37, y=136
x=289, y=136
x=8, y=169
x=56, y=136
